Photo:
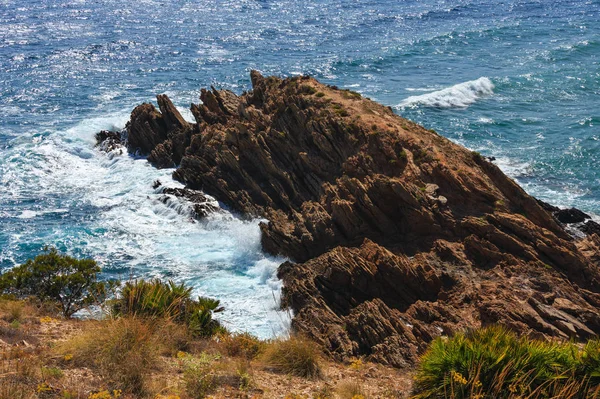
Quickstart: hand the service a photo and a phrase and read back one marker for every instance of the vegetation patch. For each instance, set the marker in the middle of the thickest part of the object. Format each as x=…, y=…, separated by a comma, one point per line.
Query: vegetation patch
x=51, y=276
x=349, y=94
x=477, y=156
x=308, y=89
x=295, y=356
x=242, y=345
x=351, y=390
x=421, y=156
x=124, y=351
x=495, y=363
x=158, y=299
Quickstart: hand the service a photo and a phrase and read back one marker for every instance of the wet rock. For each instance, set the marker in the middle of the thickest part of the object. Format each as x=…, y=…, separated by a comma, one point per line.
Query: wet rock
x=109, y=141
x=578, y=220
x=163, y=134
x=572, y=215
x=202, y=205
x=146, y=129
x=590, y=227
x=162, y=155
x=548, y=207
x=171, y=116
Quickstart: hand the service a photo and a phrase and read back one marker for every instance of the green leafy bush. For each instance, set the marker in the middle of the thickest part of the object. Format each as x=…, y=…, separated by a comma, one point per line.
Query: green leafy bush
x=493, y=362
x=160, y=299
x=52, y=276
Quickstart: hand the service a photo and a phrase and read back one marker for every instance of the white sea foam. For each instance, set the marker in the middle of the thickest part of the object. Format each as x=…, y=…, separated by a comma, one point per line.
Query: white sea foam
x=458, y=96
x=10, y=110
x=132, y=229
x=513, y=168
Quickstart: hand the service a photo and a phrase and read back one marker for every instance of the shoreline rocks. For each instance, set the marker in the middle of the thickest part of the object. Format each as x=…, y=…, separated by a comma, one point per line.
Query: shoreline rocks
x=395, y=234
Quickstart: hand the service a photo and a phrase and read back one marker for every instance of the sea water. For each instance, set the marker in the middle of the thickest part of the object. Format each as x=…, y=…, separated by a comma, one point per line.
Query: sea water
x=517, y=80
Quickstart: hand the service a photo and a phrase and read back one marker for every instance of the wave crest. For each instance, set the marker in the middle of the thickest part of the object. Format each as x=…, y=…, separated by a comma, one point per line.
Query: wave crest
x=458, y=96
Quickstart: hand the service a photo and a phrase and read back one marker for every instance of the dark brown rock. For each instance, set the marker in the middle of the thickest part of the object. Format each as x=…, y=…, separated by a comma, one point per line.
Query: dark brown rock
x=590, y=227
x=395, y=234
x=202, y=206
x=109, y=141
x=571, y=215
x=146, y=128
x=163, y=135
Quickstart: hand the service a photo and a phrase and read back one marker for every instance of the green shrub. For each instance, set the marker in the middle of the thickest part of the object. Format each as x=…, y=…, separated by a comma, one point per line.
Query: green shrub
x=494, y=362
x=52, y=373
x=588, y=362
x=341, y=112
x=308, y=89
x=295, y=356
x=477, y=156
x=52, y=276
x=421, y=156
x=157, y=299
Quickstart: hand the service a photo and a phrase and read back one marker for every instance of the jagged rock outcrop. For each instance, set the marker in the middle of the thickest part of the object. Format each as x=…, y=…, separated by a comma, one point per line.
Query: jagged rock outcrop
x=164, y=135
x=395, y=234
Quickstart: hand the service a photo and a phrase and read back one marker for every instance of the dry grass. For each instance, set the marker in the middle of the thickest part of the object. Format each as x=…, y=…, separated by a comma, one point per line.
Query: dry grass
x=12, y=310
x=241, y=345
x=294, y=356
x=19, y=374
x=351, y=390
x=156, y=358
x=124, y=351
x=173, y=337
x=199, y=376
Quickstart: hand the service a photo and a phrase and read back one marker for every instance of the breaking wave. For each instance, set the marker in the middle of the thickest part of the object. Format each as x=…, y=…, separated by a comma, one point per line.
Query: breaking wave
x=458, y=96
x=61, y=191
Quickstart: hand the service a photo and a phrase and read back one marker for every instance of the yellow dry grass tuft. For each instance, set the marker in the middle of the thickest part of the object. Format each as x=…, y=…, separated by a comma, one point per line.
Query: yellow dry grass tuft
x=295, y=356
x=124, y=351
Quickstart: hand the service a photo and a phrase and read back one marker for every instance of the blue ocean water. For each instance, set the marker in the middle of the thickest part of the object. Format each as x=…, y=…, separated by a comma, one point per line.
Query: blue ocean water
x=514, y=79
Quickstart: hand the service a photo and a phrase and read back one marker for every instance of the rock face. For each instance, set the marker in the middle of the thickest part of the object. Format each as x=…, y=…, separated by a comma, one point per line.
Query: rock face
x=395, y=234
x=164, y=135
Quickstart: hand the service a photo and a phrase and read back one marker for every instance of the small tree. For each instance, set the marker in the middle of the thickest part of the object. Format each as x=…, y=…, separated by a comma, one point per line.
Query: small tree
x=53, y=276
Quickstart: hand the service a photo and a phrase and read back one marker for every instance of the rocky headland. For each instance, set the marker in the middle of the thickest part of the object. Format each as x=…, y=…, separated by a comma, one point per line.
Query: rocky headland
x=395, y=234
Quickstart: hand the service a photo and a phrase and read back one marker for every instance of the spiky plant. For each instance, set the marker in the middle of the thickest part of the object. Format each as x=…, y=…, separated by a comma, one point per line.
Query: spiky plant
x=494, y=362
x=169, y=300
